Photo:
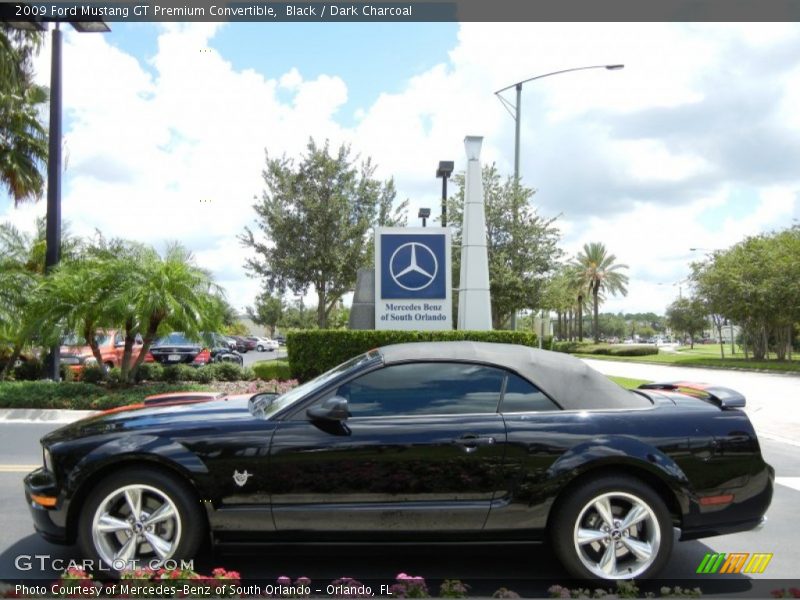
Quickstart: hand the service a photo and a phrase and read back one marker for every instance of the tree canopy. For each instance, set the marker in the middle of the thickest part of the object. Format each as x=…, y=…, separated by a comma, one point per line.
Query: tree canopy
x=522, y=246
x=756, y=283
x=23, y=137
x=598, y=272
x=315, y=221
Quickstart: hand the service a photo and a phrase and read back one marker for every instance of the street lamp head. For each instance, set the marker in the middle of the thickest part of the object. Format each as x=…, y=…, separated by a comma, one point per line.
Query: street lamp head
x=445, y=168
x=615, y=67
x=90, y=26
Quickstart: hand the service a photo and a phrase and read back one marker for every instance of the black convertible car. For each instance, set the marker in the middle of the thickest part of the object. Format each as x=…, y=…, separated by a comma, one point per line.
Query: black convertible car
x=430, y=442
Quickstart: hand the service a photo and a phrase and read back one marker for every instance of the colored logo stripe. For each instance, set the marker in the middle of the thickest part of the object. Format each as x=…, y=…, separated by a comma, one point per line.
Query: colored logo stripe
x=736, y=562
x=758, y=563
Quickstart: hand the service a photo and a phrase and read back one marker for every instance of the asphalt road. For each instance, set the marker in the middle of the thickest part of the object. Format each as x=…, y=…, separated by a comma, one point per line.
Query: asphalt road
x=772, y=398
x=253, y=356
x=528, y=569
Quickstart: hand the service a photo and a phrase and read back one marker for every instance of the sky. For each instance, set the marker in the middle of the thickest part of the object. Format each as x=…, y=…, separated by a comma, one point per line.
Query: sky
x=694, y=144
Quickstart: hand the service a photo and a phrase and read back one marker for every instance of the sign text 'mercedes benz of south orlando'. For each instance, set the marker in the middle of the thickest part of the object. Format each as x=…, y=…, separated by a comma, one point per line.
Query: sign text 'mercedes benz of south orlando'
x=412, y=278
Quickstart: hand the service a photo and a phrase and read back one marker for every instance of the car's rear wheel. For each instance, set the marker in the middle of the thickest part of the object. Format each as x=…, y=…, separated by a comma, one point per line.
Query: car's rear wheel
x=139, y=519
x=612, y=528
x=260, y=348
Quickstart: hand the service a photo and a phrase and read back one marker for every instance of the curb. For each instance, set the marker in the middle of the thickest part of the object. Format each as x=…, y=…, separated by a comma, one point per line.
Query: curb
x=42, y=415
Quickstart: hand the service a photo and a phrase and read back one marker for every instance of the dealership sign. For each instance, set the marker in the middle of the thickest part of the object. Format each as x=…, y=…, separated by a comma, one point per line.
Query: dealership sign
x=412, y=278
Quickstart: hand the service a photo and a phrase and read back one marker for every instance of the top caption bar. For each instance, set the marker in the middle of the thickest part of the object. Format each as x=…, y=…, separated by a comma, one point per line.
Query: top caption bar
x=411, y=11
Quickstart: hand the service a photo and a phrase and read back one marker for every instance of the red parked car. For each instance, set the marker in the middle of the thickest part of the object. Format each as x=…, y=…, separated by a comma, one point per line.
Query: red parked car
x=76, y=354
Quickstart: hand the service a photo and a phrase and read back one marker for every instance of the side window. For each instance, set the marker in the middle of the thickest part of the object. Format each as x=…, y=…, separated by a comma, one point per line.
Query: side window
x=424, y=389
x=523, y=396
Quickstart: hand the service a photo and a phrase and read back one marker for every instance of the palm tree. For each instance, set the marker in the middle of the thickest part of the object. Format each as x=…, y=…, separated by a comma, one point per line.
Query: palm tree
x=599, y=273
x=23, y=137
x=169, y=293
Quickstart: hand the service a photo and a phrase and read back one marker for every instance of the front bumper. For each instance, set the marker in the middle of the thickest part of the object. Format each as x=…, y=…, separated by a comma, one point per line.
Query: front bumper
x=49, y=522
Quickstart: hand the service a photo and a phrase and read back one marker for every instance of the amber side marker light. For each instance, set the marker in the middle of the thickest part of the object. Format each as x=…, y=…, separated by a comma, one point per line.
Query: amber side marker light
x=46, y=501
x=716, y=500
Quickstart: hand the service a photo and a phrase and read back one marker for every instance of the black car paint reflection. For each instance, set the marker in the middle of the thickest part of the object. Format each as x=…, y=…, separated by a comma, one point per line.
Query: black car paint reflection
x=395, y=469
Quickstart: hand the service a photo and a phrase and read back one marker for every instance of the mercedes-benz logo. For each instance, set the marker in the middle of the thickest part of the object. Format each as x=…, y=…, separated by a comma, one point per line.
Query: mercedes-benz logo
x=404, y=266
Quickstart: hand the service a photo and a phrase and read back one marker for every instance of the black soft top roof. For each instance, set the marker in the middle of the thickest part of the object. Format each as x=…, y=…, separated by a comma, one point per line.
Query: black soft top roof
x=566, y=379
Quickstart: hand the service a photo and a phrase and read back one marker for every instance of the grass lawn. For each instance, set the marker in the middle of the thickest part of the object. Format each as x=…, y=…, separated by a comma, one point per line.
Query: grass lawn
x=627, y=382
x=705, y=355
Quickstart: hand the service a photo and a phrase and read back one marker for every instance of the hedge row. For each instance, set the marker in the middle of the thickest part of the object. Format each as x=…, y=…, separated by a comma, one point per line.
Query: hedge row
x=273, y=369
x=604, y=349
x=80, y=395
x=173, y=373
x=312, y=352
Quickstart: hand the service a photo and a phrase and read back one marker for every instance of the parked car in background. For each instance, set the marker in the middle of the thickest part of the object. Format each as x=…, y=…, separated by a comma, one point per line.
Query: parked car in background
x=280, y=339
x=243, y=344
x=176, y=348
x=264, y=344
x=76, y=354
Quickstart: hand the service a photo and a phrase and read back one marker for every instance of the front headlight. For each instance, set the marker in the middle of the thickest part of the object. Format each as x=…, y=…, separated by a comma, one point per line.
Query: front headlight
x=47, y=459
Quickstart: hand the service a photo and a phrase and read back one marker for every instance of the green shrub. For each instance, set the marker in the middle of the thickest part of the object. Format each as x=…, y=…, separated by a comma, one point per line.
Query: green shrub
x=173, y=373
x=150, y=372
x=114, y=377
x=570, y=346
x=80, y=395
x=312, y=352
x=634, y=350
x=93, y=373
x=227, y=371
x=273, y=369
x=604, y=349
x=204, y=374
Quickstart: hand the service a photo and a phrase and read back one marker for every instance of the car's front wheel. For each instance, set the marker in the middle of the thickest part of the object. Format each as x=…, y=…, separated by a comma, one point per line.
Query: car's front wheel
x=140, y=518
x=612, y=528
x=260, y=348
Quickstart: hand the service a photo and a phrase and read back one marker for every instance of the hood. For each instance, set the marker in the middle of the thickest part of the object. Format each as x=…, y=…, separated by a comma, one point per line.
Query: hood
x=171, y=413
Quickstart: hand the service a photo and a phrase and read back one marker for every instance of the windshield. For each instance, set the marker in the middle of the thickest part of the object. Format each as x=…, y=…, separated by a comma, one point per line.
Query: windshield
x=78, y=340
x=176, y=339
x=264, y=408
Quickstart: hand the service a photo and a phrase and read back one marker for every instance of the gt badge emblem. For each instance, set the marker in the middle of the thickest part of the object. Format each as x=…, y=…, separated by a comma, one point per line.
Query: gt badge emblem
x=241, y=478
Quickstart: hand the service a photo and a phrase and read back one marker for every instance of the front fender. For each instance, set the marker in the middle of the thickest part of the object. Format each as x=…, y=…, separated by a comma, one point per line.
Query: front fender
x=620, y=453
x=133, y=449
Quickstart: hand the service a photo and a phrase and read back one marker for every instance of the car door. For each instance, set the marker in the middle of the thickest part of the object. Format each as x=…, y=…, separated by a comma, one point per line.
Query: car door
x=421, y=451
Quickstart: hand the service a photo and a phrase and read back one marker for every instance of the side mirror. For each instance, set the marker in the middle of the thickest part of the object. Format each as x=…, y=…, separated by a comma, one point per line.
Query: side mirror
x=266, y=398
x=333, y=409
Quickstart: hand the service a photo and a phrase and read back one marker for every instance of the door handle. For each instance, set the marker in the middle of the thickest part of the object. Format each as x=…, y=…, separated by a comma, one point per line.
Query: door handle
x=470, y=442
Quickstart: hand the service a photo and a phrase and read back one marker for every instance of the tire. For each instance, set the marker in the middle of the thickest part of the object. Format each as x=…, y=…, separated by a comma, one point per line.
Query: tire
x=108, y=366
x=260, y=348
x=178, y=536
x=639, y=551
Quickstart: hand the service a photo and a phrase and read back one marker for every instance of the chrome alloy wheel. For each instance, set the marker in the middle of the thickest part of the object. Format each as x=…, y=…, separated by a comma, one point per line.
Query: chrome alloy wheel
x=136, y=523
x=617, y=536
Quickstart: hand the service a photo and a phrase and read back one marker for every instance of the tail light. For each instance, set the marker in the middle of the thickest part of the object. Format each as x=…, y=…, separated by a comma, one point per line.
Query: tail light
x=149, y=358
x=203, y=357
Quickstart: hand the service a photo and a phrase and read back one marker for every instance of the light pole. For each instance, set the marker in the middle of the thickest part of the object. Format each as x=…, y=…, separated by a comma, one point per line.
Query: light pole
x=444, y=171
x=515, y=110
x=517, y=107
x=53, y=222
